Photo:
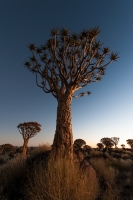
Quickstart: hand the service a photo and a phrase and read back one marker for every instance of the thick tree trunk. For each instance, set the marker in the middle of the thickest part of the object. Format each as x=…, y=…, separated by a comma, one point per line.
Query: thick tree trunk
x=63, y=140
x=24, y=149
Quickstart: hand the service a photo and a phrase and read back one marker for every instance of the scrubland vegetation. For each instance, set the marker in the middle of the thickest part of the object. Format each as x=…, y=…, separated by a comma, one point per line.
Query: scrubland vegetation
x=107, y=175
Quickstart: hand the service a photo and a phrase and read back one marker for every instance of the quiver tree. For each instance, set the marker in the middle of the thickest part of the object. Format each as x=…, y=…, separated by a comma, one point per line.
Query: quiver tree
x=116, y=140
x=78, y=143
x=63, y=65
x=123, y=146
x=100, y=145
x=28, y=130
x=108, y=142
x=130, y=143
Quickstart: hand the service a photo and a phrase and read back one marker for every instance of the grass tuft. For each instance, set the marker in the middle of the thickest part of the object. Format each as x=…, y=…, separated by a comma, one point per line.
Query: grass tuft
x=60, y=180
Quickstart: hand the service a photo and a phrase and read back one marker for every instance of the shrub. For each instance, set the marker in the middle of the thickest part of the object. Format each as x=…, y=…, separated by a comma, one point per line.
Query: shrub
x=116, y=155
x=18, y=150
x=7, y=147
x=11, y=154
x=2, y=161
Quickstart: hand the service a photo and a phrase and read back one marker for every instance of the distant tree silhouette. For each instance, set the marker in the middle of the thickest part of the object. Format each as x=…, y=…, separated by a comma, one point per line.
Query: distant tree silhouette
x=130, y=143
x=78, y=143
x=108, y=142
x=116, y=140
x=86, y=147
x=28, y=130
x=100, y=145
x=123, y=146
x=7, y=147
x=64, y=64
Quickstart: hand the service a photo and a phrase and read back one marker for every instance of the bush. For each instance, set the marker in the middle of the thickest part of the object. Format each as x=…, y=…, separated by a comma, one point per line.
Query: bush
x=2, y=161
x=116, y=155
x=18, y=150
x=7, y=147
x=11, y=154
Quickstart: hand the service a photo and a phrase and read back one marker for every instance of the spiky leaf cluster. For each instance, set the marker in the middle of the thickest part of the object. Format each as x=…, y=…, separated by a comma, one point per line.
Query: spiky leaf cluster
x=69, y=61
x=29, y=129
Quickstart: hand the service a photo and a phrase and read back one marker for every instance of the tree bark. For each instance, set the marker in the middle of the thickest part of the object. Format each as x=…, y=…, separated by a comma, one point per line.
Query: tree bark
x=63, y=140
x=24, y=149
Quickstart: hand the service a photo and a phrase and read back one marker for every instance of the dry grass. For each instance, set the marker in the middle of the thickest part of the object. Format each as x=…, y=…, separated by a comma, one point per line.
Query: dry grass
x=64, y=181
x=103, y=169
x=60, y=181
x=96, y=152
x=12, y=175
x=57, y=181
x=107, y=174
x=117, y=175
x=41, y=148
x=122, y=165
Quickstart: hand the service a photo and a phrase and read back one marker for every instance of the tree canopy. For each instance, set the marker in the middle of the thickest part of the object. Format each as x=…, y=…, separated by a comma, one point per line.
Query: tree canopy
x=29, y=129
x=79, y=143
x=69, y=60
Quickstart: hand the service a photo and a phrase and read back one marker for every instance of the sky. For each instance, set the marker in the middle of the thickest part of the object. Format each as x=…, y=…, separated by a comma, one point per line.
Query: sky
x=107, y=112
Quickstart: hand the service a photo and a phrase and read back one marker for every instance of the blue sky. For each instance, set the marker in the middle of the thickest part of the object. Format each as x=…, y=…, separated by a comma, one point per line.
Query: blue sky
x=107, y=112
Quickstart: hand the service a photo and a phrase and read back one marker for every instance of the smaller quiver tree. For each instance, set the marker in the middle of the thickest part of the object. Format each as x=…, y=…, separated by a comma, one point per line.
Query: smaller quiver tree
x=78, y=143
x=28, y=130
x=108, y=142
x=100, y=145
x=123, y=146
x=130, y=143
x=116, y=140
